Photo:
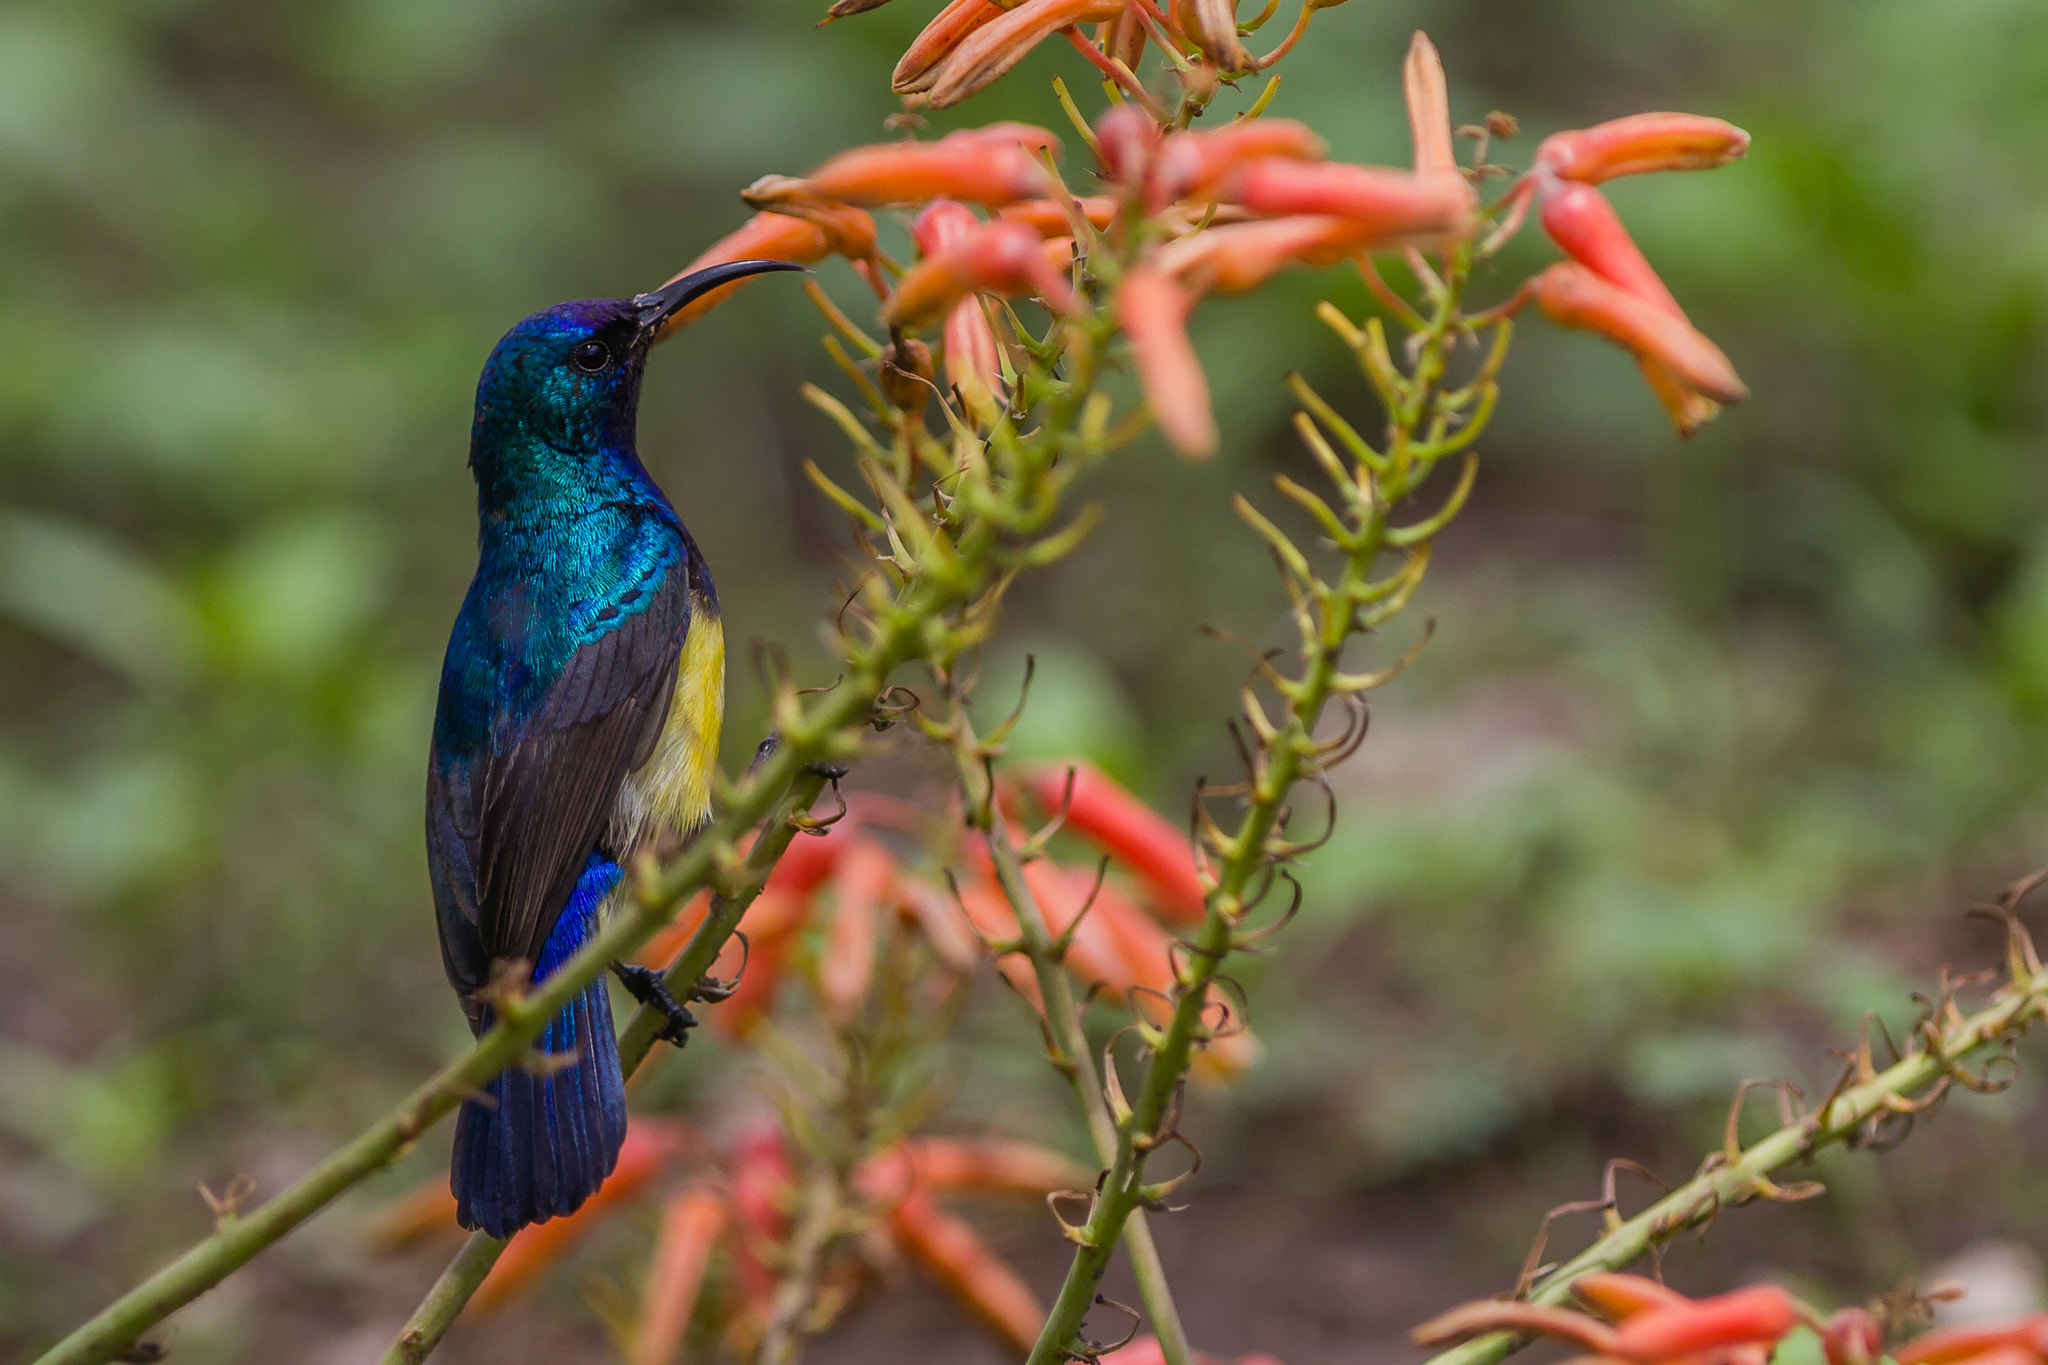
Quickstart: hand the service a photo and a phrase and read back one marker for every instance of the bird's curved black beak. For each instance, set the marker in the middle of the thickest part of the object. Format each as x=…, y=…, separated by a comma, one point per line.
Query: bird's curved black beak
x=658, y=308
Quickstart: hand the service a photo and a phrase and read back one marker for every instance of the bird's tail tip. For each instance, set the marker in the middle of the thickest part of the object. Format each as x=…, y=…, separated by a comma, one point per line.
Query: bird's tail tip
x=542, y=1138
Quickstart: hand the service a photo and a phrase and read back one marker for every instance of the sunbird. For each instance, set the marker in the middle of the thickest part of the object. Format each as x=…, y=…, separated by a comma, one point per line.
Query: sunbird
x=580, y=706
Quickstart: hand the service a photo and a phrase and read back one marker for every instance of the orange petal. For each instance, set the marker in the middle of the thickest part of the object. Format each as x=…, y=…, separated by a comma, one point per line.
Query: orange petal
x=1001, y=1164
x=1153, y=310
x=974, y=358
x=1640, y=143
x=1964, y=1343
x=920, y=64
x=534, y=1248
x=982, y=171
x=851, y=936
x=760, y=1187
x=1760, y=1314
x=1579, y=219
x=1241, y=256
x=942, y=223
x=1051, y=218
x=994, y=47
x=1102, y=810
x=1429, y=107
x=1195, y=163
x=953, y=1254
x=764, y=237
x=1617, y=1296
x=850, y=232
x=1391, y=207
x=691, y=1222
x=995, y=258
x=1574, y=296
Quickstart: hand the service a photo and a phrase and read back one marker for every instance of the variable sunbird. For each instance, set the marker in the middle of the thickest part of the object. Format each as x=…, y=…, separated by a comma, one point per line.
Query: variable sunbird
x=581, y=700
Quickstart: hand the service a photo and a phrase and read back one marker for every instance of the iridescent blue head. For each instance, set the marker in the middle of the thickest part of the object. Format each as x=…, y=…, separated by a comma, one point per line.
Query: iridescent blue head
x=559, y=397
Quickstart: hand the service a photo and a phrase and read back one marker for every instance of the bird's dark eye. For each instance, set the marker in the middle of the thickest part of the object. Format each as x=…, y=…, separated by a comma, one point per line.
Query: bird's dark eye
x=591, y=356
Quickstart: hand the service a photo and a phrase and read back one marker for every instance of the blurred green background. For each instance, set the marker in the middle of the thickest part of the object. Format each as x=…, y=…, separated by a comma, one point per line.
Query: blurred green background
x=1714, y=741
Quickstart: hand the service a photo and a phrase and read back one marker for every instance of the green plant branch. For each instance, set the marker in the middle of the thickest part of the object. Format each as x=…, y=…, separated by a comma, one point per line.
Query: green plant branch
x=1067, y=1038
x=1945, y=1040
x=1328, y=616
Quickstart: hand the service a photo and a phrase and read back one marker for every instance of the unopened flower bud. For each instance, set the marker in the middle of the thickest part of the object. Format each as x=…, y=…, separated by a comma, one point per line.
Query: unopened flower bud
x=1391, y=207
x=1153, y=310
x=982, y=170
x=1640, y=143
x=996, y=258
x=995, y=46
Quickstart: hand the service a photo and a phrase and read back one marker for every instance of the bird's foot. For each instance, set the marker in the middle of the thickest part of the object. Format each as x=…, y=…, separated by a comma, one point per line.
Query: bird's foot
x=646, y=985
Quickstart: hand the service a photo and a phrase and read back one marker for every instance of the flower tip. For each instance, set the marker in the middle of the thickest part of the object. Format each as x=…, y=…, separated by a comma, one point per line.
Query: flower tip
x=1153, y=309
x=1639, y=144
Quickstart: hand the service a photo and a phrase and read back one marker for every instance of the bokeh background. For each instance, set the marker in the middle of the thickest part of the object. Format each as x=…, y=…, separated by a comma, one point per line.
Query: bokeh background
x=1714, y=742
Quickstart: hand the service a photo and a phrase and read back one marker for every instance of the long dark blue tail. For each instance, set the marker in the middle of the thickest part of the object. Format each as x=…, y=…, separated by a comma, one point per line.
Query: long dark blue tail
x=543, y=1143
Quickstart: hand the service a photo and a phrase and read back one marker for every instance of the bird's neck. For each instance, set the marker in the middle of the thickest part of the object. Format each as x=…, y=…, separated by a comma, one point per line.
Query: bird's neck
x=526, y=486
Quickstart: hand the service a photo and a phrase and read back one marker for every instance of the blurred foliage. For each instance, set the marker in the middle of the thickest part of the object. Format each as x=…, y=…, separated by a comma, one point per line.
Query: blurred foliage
x=1708, y=730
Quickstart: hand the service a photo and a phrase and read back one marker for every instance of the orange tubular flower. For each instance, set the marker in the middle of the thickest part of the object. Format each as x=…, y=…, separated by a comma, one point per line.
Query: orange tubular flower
x=1153, y=310
x=1127, y=139
x=848, y=962
x=647, y=1149
x=1212, y=24
x=998, y=1164
x=1758, y=1315
x=690, y=1225
x=1390, y=208
x=1642, y=143
x=995, y=258
x=1574, y=296
x=919, y=68
x=1955, y=1344
x=1101, y=810
x=1196, y=163
x=764, y=237
x=1429, y=107
x=974, y=363
x=989, y=49
x=1050, y=218
x=849, y=232
x=1241, y=256
x=1579, y=219
x=954, y=1255
x=760, y=1185
x=981, y=169
x=1618, y=1296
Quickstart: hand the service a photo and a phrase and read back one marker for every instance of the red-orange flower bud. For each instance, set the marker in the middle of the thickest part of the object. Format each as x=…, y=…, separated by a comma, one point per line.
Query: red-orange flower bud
x=1574, y=296
x=1391, y=207
x=1103, y=811
x=691, y=1222
x=1852, y=1336
x=1126, y=138
x=941, y=223
x=1579, y=219
x=1954, y=1344
x=1640, y=143
x=1759, y=1314
x=1196, y=163
x=1617, y=1296
x=1153, y=309
x=991, y=170
x=993, y=47
x=1051, y=218
x=996, y=258
x=1241, y=256
x=954, y=1255
x=919, y=66
x=847, y=965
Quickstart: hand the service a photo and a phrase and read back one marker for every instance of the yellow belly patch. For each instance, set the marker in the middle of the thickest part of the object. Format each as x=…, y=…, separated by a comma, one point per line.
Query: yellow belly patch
x=675, y=785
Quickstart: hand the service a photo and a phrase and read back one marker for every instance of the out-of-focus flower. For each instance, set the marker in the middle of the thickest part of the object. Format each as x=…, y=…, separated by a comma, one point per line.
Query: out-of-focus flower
x=1240, y=256
x=1147, y=1350
x=1102, y=810
x=974, y=361
x=847, y=965
x=1579, y=219
x=760, y=1185
x=1616, y=1296
x=995, y=258
x=1574, y=296
x=691, y=1223
x=849, y=232
x=1051, y=218
x=919, y=67
x=1852, y=1336
x=1429, y=107
x=988, y=48
x=1153, y=308
x=1641, y=143
x=984, y=167
x=2027, y=1337
x=1196, y=163
x=955, y=1256
x=764, y=237
x=1389, y=207
x=1126, y=139
x=1730, y=1329
x=649, y=1145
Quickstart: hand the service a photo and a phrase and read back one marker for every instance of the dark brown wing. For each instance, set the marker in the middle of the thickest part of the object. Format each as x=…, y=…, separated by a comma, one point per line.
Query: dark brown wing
x=548, y=794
